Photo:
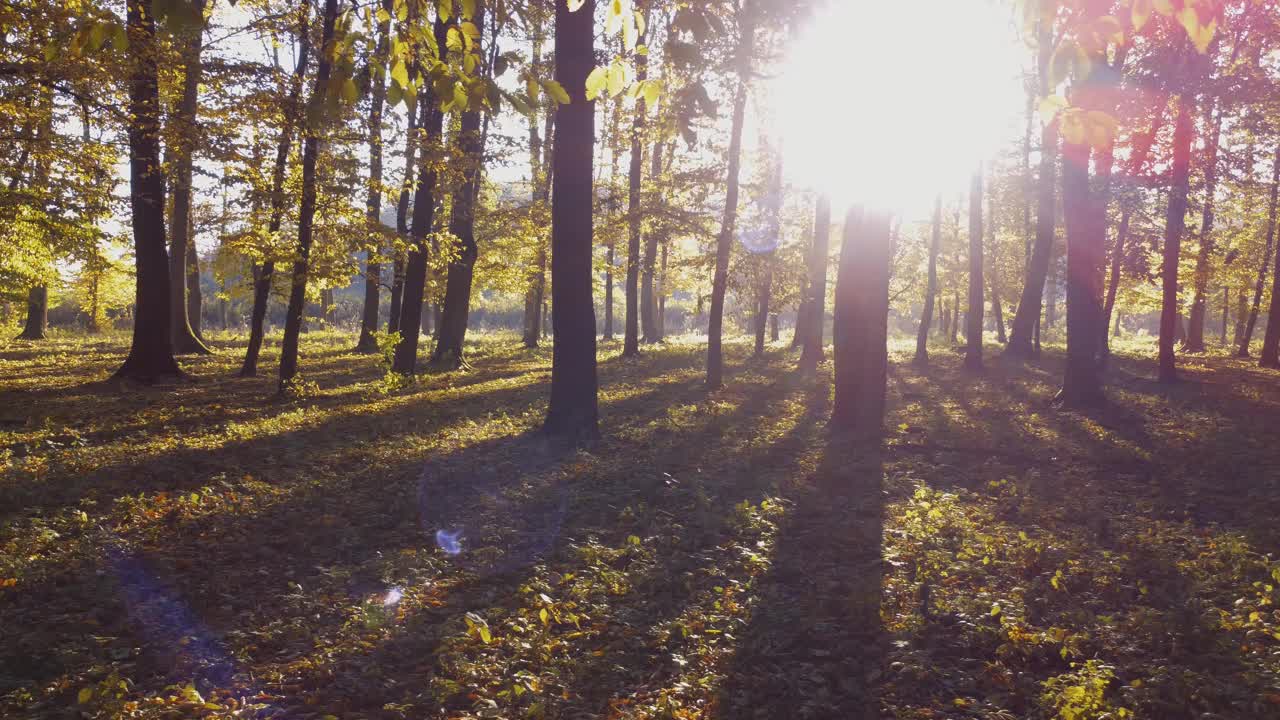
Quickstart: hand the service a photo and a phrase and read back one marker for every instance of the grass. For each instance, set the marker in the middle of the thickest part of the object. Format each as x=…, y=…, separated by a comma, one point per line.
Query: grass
x=204, y=549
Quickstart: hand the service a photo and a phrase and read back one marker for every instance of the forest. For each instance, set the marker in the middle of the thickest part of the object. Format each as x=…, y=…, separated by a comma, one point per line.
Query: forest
x=626, y=359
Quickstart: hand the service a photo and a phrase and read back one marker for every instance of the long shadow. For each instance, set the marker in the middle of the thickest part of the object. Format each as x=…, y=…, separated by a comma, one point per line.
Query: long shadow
x=815, y=644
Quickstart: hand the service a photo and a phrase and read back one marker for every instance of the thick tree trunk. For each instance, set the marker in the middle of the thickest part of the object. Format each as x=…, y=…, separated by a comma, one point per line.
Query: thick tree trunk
x=572, y=414
x=307, y=209
x=931, y=286
x=1085, y=214
x=1195, y=327
x=185, y=338
x=37, y=314
x=1175, y=224
x=631, y=331
x=150, y=356
x=452, y=328
x=977, y=288
x=861, y=327
x=424, y=202
x=373, y=202
x=264, y=274
x=1243, y=349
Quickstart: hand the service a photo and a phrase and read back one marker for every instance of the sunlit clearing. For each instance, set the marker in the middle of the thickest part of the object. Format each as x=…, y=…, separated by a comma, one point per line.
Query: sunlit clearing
x=886, y=102
x=449, y=541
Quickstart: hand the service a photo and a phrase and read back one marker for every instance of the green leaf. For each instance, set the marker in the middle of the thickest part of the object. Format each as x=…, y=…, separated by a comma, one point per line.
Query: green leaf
x=383, y=16
x=400, y=74
x=596, y=82
x=556, y=91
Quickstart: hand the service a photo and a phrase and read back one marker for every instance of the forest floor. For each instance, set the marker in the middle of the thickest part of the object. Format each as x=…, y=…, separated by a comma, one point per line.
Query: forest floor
x=370, y=551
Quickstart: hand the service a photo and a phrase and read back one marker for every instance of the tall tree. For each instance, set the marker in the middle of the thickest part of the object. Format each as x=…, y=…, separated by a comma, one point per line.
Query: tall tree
x=150, y=356
x=773, y=209
x=184, y=129
x=862, y=326
x=1175, y=224
x=1195, y=324
x=728, y=224
x=977, y=289
x=264, y=274
x=403, y=215
x=462, y=225
x=312, y=130
x=635, y=177
x=931, y=286
x=37, y=313
x=572, y=412
x=540, y=152
x=431, y=121
x=373, y=203
x=1084, y=215
x=1246, y=335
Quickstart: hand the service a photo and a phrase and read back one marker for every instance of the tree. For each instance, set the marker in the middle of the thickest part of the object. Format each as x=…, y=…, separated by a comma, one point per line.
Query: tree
x=150, y=356
x=37, y=313
x=306, y=213
x=184, y=132
x=1247, y=333
x=1195, y=324
x=977, y=289
x=264, y=274
x=373, y=204
x=572, y=412
x=728, y=224
x=861, y=326
x=931, y=286
x=635, y=177
x=1175, y=224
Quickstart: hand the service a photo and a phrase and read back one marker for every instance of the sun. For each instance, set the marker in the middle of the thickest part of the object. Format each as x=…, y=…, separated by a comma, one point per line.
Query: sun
x=888, y=102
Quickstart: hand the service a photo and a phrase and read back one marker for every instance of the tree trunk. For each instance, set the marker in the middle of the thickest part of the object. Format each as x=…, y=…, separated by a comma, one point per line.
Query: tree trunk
x=1024, y=335
x=373, y=202
x=307, y=209
x=37, y=314
x=631, y=331
x=977, y=288
x=540, y=160
x=648, y=264
x=955, y=318
x=150, y=356
x=661, y=322
x=768, y=258
x=861, y=326
x=1175, y=223
x=452, y=328
x=1260, y=286
x=774, y=333
x=1195, y=328
x=931, y=286
x=185, y=337
x=1242, y=312
x=1226, y=314
x=424, y=206
x=403, y=218
x=264, y=274
x=572, y=414
x=1085, y=214
x=195, y=299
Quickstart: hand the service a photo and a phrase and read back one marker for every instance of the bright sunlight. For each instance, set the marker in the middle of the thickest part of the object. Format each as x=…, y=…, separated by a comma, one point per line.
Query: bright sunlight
x=888, y=102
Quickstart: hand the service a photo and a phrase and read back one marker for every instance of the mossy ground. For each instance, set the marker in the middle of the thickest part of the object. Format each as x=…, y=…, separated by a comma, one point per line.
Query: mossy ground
x=207, y=549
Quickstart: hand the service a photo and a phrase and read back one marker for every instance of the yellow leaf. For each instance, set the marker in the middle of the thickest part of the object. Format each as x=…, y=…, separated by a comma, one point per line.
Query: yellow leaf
x=1073, y=131
x=1140, y=13
x=85, y=695
x=1100, y=128
x=1164, y=7
x=1050, y=107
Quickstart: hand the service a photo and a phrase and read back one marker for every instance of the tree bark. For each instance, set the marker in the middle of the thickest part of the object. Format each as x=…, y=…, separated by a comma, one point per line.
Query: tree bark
x=572, y=414
x=307, y=210
x=37, y=314
x=150, y=356
x=765, y=299
x=635, y=173
x=373, y=202
x=185, y=338
x=997, y=308
x=540, y=161
x=861, y=327
x=264, y=274
x=195, y=298
x=931, y=286
x=977, y=288
x=1195, y=326
x=648, y=264
x=1260, y=286
x=1175, y=224
x=452, y=328
x=424, y=206
x=1084, y=213
x=402, y=223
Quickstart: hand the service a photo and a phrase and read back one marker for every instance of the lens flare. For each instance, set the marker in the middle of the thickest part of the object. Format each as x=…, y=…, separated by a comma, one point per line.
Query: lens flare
x=392, y=597
x=449, y=541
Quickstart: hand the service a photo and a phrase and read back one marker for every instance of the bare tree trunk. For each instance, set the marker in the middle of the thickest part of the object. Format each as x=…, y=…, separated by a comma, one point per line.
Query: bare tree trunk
x=1195, y=328
x=37, y=314
x=648, y=300
x=185, y=338
x=931, y=286
x=540, y=160
x=373, y=202
x=1175, y=224
x=997, y=309
x=1247, y=337
x=977, y=291
x=1085, y=213
x=264, y=274
x=307, y=209
x=572, y=414
x=861, y=327
x=195, y=299
x=631, y=331
x=150, y=356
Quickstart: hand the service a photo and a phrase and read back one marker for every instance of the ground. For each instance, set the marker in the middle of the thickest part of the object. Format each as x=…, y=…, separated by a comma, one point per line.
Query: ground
x=366, y=550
